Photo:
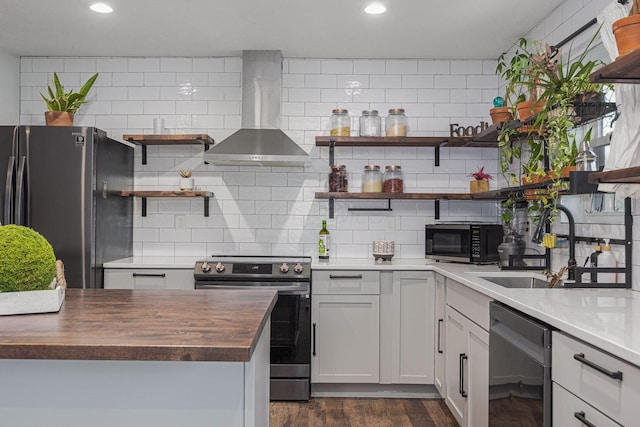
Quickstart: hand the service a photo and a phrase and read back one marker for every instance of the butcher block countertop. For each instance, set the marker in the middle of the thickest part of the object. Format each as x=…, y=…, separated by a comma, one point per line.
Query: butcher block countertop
x=165, y=325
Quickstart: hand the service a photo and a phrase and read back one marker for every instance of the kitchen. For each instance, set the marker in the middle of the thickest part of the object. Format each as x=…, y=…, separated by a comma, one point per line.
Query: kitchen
x=273, y=211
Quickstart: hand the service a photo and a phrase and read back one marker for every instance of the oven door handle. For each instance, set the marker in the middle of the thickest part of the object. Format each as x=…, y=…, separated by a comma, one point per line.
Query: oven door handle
x=284, y=290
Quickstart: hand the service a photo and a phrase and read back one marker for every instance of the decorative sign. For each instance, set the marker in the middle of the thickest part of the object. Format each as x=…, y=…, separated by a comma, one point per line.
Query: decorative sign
x=457, y=130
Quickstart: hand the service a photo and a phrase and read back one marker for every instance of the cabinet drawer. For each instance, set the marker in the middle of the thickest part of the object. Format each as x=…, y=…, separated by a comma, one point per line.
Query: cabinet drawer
x=350, y=282
x=474, y=305
x=617, y=398
x=569, y=411
x=148, y=279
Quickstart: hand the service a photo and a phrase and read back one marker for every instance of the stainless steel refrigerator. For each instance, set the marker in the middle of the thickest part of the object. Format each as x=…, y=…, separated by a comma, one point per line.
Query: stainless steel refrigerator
x=65, y=183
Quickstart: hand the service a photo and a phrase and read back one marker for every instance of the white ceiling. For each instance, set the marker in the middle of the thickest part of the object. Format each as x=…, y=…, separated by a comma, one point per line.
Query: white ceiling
x=299, y=28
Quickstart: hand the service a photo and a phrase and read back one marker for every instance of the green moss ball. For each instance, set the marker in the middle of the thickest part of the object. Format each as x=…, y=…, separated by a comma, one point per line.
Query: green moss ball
x=27, y=261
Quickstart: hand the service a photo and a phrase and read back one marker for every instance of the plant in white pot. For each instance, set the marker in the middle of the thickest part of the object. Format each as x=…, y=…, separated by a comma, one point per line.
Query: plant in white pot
x=64, y=105
x=186, y=181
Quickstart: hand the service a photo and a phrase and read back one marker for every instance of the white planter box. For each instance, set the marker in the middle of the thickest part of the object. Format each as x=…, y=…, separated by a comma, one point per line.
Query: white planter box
x=46, y=301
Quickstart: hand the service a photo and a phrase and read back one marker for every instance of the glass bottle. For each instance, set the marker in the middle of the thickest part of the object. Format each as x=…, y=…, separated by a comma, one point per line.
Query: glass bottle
x=393, y=181
x=323, y=242
x=338, y=180
x=372, y=179
x=396, y=123
x=370, y=123
x=340, y=122
x=586, y=159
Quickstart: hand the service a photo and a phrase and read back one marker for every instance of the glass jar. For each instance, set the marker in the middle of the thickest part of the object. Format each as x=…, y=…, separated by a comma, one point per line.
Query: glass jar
x=392, y=181
x=396, y=123
x=370, y=123
x=338, y=181
x=586, y=159
x=372, y=179
x=340, y=122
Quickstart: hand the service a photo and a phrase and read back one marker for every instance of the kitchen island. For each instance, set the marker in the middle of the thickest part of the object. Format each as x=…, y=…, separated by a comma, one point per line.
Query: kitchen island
x=136, y=358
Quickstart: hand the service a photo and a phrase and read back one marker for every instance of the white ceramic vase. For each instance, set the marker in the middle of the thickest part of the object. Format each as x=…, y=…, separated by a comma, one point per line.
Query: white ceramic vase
x=186, y=183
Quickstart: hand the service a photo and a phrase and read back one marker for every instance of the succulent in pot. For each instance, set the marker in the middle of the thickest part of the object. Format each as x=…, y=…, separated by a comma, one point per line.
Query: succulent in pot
x=186, y=180
x=63, y=105
x=481, y=182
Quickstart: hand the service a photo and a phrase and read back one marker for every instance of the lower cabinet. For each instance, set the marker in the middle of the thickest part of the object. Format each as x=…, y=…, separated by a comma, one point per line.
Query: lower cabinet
x=345, y=310
x=466, y=355
x=148, y=278
x=439, y=334
x=600, y=387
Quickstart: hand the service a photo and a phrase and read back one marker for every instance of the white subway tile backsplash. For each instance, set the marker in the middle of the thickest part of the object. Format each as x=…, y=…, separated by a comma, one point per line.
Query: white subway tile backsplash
x=402, y=66
x=466, y=67
x=176, y=64
x=380, y=81
x=434, y=67
x=336, y=66
x=304, y=66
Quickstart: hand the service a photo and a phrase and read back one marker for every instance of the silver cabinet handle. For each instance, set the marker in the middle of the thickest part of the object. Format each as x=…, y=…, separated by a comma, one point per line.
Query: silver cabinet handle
x=462, y=391
x=440, y=321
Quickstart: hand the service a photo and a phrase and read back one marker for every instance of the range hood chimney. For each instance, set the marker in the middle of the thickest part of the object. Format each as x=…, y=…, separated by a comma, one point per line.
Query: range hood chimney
x=260, y=141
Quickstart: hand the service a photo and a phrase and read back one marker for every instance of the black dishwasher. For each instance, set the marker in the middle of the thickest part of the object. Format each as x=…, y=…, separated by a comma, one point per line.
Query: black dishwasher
x=519, y=369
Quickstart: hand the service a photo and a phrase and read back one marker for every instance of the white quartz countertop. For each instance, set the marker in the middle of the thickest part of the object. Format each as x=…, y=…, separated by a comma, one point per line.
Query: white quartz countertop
x=606, y=318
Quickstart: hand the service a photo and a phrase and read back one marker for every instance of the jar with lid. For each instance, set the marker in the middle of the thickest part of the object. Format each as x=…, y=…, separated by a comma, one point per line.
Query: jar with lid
x=396, y=123
x=340, y=122
x=338, y=181
x=372, y=179
x=370, y=123
x=393, y=181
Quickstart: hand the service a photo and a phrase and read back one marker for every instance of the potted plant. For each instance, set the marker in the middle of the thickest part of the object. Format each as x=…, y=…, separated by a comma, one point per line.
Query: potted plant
x=481, y=182
x=63, y=105
x=627, y=31
x=186, y=181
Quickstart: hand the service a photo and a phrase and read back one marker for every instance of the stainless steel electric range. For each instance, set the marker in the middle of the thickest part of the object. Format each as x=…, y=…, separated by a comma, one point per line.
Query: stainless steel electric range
x=291, y=316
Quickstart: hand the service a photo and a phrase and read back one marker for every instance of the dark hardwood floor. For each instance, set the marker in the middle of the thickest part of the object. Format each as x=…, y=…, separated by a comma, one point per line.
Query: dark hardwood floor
x=360, y=412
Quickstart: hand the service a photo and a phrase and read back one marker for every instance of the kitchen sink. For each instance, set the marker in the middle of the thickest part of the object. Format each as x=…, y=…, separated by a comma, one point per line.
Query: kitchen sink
x=532, y=281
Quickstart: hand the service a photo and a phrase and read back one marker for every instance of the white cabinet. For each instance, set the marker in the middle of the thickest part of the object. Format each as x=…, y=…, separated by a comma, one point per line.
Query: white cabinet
x=148, y=278
x=466, y=355
x=412, y=318
x=345, y=327
x=439, y=334
x=597, y=379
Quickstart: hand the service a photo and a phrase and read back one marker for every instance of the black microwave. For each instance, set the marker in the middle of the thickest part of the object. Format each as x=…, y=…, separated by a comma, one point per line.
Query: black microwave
x=473, y=243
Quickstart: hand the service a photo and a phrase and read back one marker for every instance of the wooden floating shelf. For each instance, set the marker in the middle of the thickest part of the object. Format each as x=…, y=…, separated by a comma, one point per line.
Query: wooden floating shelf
x=401, y=141
x=622, y=70
x=404, y=196
x=144, y=194
x=172, y=139
x=621, y=176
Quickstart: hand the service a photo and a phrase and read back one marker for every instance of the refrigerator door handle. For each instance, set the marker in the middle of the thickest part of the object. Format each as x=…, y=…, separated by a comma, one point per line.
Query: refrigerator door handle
x=104, y=189
x=8, y=192
x=20, y=192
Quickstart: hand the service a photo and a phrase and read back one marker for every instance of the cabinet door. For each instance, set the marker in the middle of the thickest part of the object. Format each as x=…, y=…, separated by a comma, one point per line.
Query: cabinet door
x=477, y=376
x=413, y=319
x=570, y=411
x=455, y=352
x=439, y=334
x=345, y=333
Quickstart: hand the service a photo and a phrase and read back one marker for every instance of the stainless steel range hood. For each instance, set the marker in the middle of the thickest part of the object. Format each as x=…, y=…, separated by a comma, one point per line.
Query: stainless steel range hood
x=260, y=141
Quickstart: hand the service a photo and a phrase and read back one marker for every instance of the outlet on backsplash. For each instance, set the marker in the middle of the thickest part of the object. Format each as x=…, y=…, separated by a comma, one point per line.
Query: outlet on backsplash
x=181, y=222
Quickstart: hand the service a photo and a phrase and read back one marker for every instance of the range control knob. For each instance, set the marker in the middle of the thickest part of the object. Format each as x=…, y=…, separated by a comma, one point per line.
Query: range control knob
x=284, y=268
x=298, y=268
x=219, y=267
x=205, y=267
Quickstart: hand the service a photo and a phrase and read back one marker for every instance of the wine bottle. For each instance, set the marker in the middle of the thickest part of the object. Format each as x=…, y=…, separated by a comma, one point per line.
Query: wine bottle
x=323, y=242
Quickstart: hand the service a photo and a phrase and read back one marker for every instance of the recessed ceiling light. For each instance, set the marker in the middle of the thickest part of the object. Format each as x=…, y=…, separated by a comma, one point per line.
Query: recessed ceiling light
x=375, y=9
x=101, y=8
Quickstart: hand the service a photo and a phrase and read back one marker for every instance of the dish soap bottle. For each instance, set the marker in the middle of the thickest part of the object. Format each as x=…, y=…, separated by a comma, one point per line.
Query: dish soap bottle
x=606, y=259
x=323, y=242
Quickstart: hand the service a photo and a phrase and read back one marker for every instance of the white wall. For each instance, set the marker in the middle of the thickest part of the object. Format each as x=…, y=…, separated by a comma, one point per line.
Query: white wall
x=273, y=210
x=9, y=89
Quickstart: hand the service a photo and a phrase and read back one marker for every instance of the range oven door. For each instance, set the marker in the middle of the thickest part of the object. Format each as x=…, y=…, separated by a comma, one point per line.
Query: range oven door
x=290, y=336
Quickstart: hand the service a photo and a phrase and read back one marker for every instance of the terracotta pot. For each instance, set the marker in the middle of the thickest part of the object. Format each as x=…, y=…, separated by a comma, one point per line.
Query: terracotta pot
x=527, y=109
x=567, y=170
x=627, y=33
x=58, y=118
x=478, y=186
x=533, y=193
x=500, y=114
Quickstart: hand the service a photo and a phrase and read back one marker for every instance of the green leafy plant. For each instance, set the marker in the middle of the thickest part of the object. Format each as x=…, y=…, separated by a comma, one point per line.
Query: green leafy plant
x=27, y=260
x=71, y=101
